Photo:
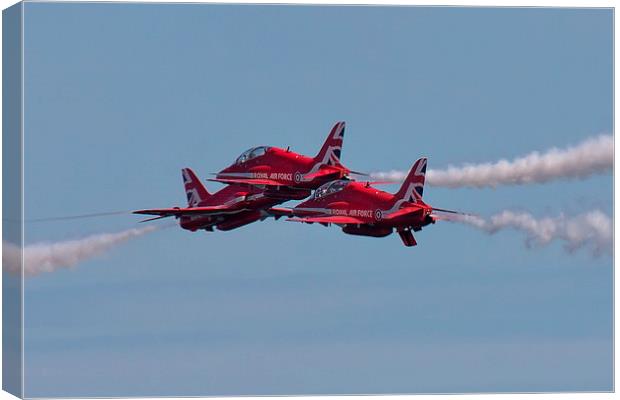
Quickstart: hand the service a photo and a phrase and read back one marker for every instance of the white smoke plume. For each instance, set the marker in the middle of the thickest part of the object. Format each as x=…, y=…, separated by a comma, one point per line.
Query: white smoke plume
x=49, y=257
x=592, y=156
x=593, y=229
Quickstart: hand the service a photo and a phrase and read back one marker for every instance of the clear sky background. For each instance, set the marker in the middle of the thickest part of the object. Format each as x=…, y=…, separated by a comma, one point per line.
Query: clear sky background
x=120, y=97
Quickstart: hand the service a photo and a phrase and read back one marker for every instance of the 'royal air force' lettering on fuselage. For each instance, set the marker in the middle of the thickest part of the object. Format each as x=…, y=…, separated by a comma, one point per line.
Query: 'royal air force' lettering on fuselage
x=377, y=214
x=279, y=176
x=353, y=213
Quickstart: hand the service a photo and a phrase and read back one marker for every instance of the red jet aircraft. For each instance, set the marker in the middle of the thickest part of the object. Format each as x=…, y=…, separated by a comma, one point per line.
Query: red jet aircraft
x=289, y=174
x=361, y=209
x=233, y=206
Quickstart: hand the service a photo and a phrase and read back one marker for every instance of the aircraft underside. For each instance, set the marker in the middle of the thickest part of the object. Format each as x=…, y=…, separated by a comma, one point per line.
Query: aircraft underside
x=405, y=232
x=221, y=222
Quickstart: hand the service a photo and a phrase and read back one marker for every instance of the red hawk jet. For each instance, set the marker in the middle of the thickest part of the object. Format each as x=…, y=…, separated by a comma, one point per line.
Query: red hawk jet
x=286, y=172
x=361, y=209
x=233, y=206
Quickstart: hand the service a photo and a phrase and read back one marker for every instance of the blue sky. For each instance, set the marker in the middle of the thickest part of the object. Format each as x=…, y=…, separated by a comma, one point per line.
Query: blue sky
x=120, y=97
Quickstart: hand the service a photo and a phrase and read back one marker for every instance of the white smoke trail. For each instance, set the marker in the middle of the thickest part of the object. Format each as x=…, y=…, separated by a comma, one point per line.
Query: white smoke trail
x=49, y=257
x=593, y=229
x=592, y=156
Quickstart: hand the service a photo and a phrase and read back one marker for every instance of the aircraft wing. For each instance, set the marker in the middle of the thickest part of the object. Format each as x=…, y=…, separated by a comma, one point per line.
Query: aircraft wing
x=402, y=212
x=248, y=181
x=280, y=212
x=331, y=219
x=320, y=173
x=178, y=211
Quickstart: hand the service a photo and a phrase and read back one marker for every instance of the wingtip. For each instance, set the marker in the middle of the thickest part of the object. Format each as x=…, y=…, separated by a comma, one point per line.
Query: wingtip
x=155, y=218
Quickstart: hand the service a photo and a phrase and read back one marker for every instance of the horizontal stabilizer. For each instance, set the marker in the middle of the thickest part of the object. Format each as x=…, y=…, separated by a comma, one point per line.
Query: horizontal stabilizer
x=381, y=182
x=322, y=173
x=447, y=211
x=359, y=173
x=403, y=212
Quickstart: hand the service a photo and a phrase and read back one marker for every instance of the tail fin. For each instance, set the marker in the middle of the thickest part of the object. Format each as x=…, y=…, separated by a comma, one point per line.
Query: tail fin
x=194, y=189
x=413, y=186
x=330, y=152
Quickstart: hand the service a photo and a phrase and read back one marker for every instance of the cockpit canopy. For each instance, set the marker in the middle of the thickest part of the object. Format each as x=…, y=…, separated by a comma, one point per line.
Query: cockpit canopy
x=251, y=153
x=330, y=188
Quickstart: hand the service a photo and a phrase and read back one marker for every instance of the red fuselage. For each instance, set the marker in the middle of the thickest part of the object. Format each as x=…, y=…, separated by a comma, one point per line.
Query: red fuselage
x=273, y=167
x=244, y=204
x=364, y=209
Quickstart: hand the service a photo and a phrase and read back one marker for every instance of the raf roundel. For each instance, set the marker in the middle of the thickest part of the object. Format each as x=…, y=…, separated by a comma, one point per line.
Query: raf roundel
x=378, y=214
x=298, y=177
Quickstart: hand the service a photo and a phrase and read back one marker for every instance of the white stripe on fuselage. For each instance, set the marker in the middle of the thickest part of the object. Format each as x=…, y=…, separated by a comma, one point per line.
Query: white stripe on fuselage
x=237, y=174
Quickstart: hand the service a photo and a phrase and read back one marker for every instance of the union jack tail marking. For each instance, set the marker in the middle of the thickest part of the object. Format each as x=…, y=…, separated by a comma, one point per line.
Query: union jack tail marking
x=413, y=186
x=194, y=189
x=330, y=152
